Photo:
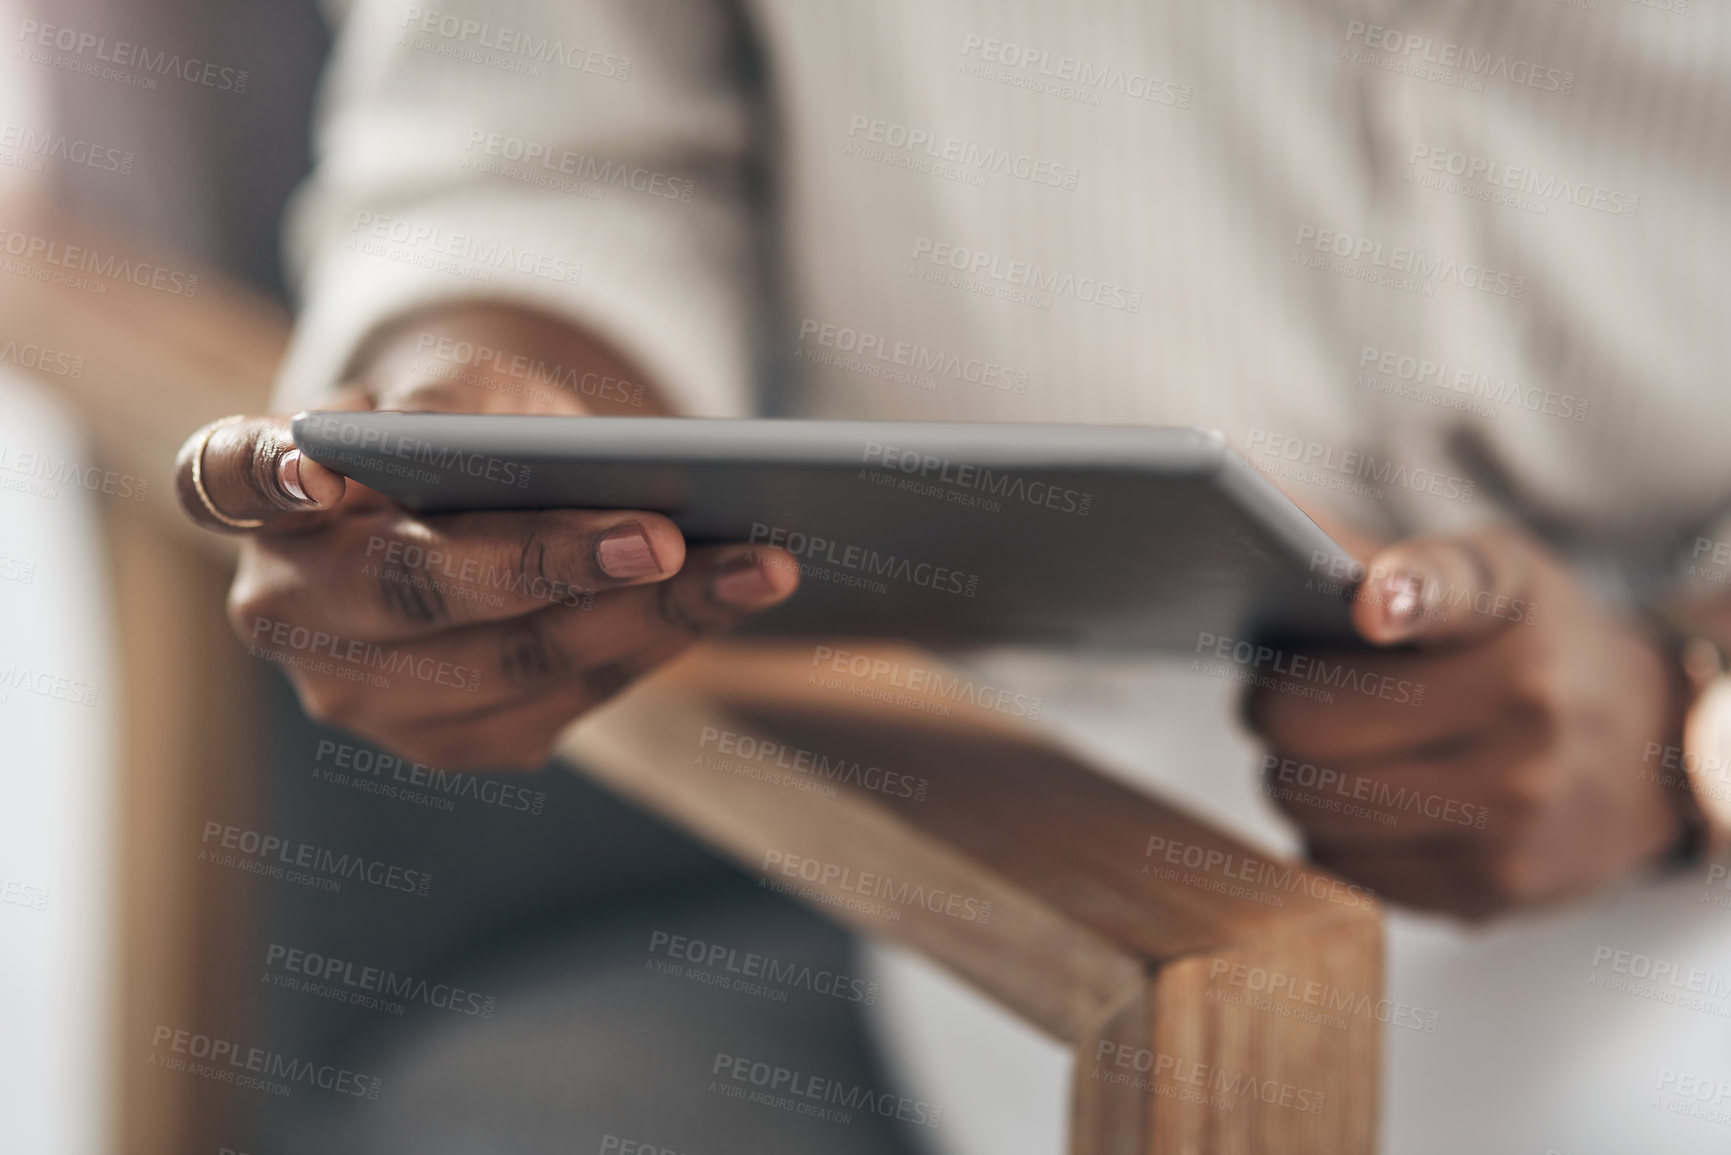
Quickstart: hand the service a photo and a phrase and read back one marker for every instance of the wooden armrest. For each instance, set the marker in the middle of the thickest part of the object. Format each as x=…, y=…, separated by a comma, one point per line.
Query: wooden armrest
x=1216, y=1000
x=143, y=368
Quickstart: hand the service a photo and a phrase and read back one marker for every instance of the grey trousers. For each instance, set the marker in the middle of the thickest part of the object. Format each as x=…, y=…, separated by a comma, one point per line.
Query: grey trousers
x=582, y=979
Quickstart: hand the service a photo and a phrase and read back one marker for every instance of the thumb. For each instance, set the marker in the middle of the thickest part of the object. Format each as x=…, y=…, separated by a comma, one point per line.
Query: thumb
x=1440, y=591
x=245, y=473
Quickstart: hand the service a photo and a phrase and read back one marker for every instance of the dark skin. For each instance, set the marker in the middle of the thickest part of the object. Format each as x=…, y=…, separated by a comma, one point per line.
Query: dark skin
x=1540, y=718
x=539, y=648
x=1536, y=721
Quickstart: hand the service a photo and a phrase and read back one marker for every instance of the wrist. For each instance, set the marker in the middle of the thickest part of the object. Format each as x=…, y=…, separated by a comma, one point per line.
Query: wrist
x=1690, y=759
x=510, y=358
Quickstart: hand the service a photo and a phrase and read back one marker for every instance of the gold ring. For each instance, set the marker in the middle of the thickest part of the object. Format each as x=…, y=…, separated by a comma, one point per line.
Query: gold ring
x=198, y=478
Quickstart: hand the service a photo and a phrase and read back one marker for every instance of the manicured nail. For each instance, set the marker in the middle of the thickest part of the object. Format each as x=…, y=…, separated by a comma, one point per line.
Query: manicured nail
x=624, y=553
x=288, y=472
x=1403, y=603
x=743, y=585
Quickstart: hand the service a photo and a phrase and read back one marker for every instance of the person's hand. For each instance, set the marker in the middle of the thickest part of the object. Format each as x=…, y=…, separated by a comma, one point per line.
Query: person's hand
x=1504, y=771
x=463, y=640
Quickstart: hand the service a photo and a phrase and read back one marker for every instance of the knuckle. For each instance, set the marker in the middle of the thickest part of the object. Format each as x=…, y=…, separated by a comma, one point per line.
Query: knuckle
x=529, y=654
x=534, y=567
x=258, y=460
x=682, y=608
x=410, y=592
x=1535, y=705
x=602, y=682
x=1509, y=876
x=1525, y=796
x=252, y=606
x=334, y=704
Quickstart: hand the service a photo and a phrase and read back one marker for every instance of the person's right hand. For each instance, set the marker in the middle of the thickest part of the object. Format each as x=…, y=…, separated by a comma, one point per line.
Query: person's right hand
x=463, y=640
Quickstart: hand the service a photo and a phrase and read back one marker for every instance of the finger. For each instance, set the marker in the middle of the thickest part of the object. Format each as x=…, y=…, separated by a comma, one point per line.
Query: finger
x=1438, y=878
x=397, y=576
x=383, y=574
x=457, y=389
x=580, y=656
x=1381, y=703
x=626, y=633
x=1410, y=803
x=1442, y=591
x=248, y=469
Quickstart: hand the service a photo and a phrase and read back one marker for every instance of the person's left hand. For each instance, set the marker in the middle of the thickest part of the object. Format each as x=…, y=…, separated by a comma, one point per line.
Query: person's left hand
x=1515, y=779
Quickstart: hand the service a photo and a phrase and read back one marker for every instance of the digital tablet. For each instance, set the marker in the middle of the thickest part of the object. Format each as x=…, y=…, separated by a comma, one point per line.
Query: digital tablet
x=1104, y=537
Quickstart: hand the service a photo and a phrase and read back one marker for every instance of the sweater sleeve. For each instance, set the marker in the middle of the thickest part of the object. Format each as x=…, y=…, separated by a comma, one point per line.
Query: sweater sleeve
x=584, y=158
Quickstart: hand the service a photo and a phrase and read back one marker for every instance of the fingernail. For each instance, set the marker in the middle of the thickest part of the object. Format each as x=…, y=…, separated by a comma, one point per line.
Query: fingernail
x=1403, y=603
x=288, y=472
x=624, y=553
x=743, y=585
